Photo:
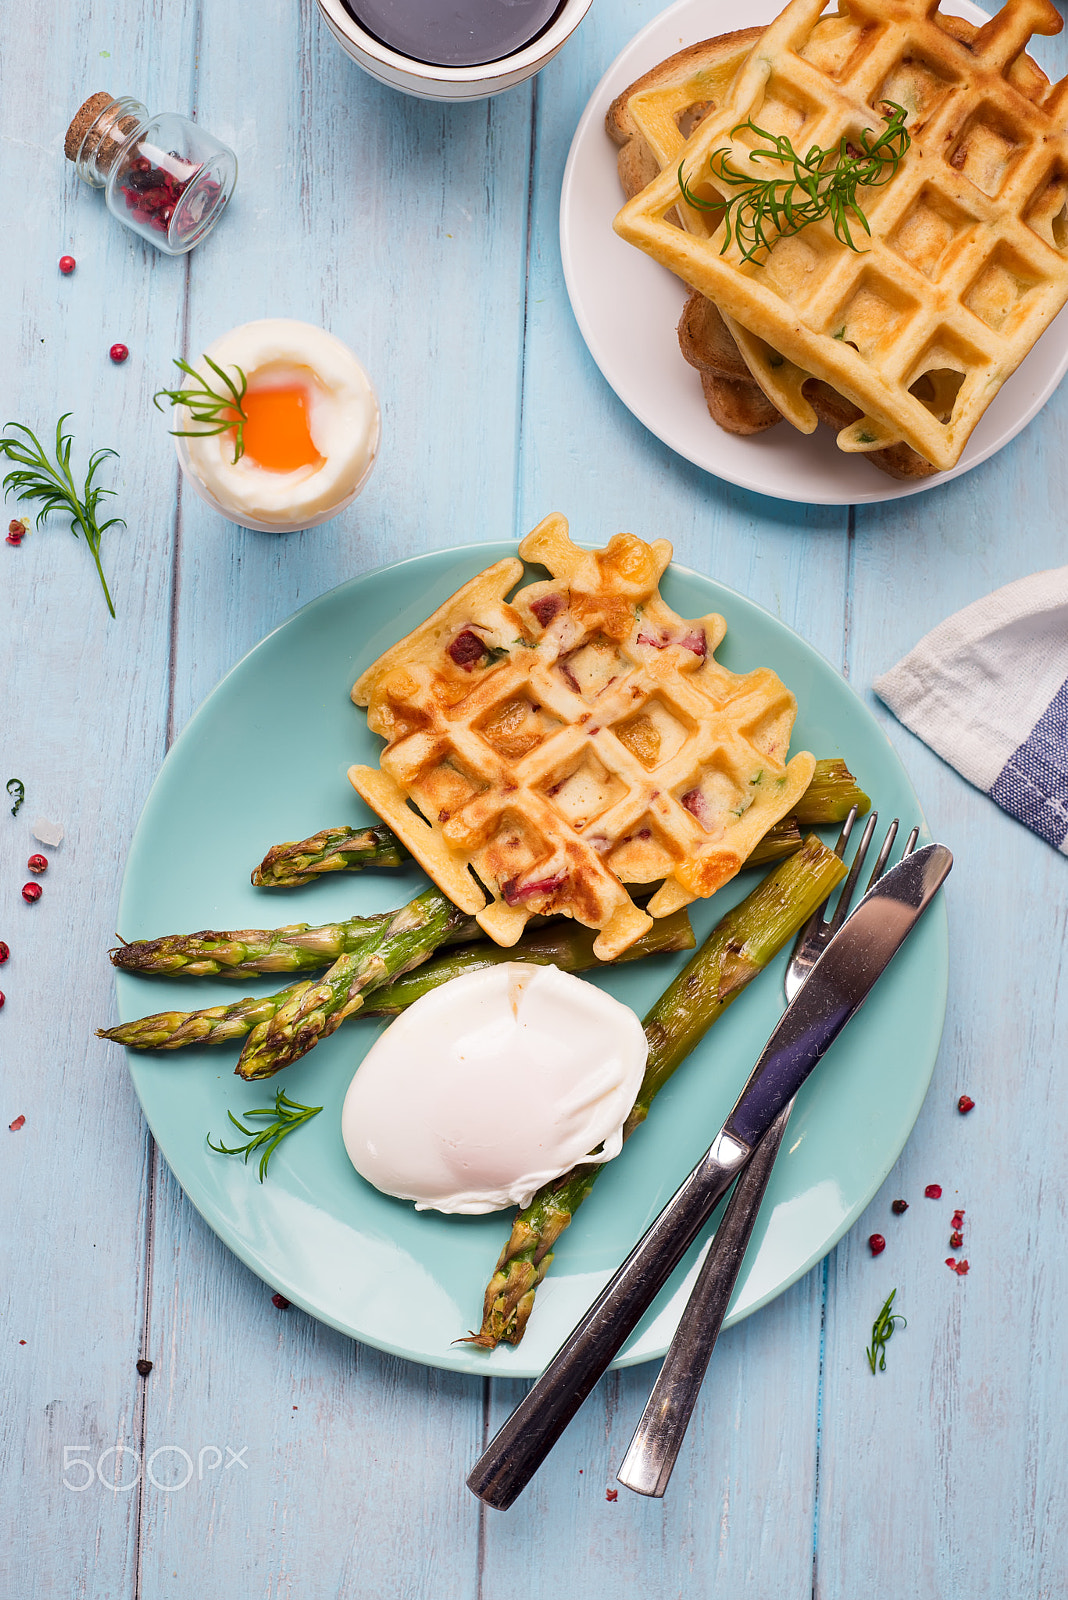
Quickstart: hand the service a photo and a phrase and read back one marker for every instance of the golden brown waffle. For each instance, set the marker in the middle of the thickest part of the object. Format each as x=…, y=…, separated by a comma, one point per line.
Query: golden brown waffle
x=656, y=114
x=575, y=739
x=968, y=258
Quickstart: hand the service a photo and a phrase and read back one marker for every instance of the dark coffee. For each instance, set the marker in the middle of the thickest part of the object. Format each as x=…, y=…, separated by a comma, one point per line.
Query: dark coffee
x=454, y=33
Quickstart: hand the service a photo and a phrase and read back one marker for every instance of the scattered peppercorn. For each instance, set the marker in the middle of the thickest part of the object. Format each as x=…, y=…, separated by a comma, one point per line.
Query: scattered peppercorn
x=3, y=999
x=67, y=265
x=956, y=1239
x=118, y=353
x=611, y=1494
x=876, y=1244
x=958, y=1218
x=4, y=952
x=16, y=531
x=959, y=1267
x=144, y=1367
x=965, y=1104
x=933, y=1191
x=19, y=1122
x=280, y=1301
x=31, y=892
x=38, y=863
x=899, y=1207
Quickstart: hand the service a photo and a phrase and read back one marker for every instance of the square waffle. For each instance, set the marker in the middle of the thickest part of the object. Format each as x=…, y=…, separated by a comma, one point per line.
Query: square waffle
x=650, y=122
x=968, y=257
x=544, y=752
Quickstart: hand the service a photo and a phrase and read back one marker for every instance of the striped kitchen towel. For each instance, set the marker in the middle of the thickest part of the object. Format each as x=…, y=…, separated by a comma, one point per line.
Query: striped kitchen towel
x=988, y=690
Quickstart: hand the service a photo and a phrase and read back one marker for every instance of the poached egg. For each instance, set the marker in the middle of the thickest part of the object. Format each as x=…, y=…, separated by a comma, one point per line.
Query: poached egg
x=311, y=433
x=490, y=1086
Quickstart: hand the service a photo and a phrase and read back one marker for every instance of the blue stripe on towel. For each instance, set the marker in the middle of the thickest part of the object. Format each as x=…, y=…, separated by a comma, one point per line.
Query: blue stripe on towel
x=1033, y=784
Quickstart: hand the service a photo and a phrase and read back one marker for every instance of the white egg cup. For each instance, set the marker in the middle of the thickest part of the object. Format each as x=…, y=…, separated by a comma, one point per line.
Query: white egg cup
x=200, y=488
x=428, y=82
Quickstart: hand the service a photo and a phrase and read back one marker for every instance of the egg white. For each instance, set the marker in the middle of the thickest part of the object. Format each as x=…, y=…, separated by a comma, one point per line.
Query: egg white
x=343, y=421
x=491, y=1085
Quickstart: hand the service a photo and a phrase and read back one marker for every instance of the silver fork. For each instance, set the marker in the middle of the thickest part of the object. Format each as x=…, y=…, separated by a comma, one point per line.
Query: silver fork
x=648, y=1463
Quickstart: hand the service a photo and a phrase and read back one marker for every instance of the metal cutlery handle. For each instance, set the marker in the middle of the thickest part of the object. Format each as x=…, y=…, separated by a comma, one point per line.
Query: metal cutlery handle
x=537, y=1422
x=650, y=1459
x=837, y=985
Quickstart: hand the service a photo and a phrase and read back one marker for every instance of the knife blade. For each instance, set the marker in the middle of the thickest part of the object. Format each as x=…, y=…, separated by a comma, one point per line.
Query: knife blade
x=832, y=993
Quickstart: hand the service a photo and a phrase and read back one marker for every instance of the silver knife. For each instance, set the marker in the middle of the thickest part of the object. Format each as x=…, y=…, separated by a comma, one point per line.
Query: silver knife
x=833, y=991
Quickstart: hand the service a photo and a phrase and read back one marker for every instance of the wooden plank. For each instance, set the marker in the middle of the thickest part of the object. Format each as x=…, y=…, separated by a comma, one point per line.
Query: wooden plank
x=360, y=1489
x=938, y=1468
x=84, y=704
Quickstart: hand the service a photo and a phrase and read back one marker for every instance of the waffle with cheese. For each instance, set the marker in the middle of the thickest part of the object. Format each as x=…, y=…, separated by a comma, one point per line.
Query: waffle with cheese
x=967, y=261
x=544, y=751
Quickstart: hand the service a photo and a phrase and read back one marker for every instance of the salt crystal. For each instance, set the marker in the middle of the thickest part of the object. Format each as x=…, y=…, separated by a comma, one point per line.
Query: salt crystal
x=48, y=832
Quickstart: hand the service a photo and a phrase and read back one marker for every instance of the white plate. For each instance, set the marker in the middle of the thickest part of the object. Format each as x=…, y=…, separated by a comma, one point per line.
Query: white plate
x=627, y=308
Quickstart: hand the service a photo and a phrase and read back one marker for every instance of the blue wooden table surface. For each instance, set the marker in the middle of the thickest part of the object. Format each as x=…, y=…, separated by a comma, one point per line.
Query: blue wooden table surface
x=426, y=238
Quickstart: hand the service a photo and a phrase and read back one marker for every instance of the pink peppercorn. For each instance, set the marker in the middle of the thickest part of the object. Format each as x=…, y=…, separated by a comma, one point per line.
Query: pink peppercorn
x=3, y=998
x=933, y=1191
x=876, y=1244
x=965, y=1104
x=4, y=952
x=280, y=1301
x=118, y=353
x=38, y=863
x=19, y=1122
x=16, y=532
x=956, y=1239
x=31, y=892
x=67, y=265
x=899, y=1207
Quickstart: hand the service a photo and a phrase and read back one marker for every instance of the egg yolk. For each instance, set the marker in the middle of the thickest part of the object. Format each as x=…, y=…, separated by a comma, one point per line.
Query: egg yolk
x=277, y=435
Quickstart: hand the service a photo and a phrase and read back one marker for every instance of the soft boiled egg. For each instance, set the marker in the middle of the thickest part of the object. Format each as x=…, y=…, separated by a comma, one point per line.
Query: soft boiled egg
x=310, y=433
x=491, y=1085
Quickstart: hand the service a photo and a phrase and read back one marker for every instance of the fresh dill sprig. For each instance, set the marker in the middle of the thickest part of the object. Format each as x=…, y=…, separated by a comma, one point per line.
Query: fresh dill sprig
x=219, y=412
x=882, y=1332
x=823, y=183
x=36, y=478
x=285, y=1115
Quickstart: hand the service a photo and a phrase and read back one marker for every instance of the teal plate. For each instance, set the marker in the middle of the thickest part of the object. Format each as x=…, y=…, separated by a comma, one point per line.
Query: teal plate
x=412, y=1283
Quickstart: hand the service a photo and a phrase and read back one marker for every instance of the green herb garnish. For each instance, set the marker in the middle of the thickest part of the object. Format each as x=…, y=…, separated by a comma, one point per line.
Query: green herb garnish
x=17, y=790
x=823, y=183
x=35, y=478
x=882, y=1332
x=219, y=412
x=285, y=1115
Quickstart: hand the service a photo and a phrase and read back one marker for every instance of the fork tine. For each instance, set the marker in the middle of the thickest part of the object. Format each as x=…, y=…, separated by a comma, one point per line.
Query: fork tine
x=910, y=843
x=843, y=837
x=884, y=854
x=850, y=884
x=816, y=921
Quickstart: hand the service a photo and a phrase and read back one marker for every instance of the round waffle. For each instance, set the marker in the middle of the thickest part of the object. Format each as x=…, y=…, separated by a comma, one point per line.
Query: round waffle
x=544, y=752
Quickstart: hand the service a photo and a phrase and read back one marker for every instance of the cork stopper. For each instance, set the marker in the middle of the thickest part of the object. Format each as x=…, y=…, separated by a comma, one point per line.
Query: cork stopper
x=83, y=120
x=99, y=130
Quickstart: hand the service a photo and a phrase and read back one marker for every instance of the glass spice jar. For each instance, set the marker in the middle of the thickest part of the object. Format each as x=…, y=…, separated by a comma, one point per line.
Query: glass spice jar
x=163, y=176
